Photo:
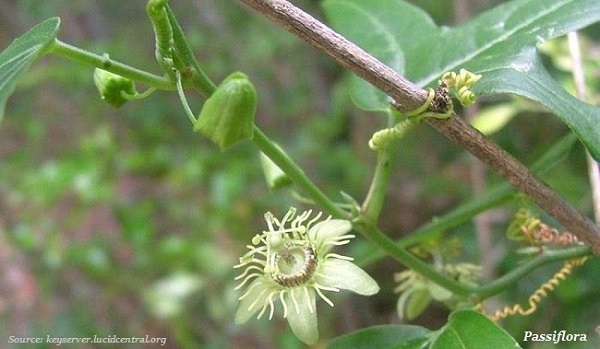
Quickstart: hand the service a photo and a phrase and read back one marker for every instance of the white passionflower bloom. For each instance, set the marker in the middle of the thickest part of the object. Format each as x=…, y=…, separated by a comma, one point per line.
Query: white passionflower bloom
x=290, y=264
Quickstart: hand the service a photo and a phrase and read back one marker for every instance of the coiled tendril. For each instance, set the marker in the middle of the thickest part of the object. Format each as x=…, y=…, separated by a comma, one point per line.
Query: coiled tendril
x=541, y=293
x=462, y=82
x=530, y=229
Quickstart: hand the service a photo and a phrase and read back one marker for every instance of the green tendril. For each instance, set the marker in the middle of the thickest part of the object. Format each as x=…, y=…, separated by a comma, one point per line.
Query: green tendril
x=381, y=138
x=182, y=98
x=163, y=34
x=138, y=96
x=424, y=107
x=462, y=83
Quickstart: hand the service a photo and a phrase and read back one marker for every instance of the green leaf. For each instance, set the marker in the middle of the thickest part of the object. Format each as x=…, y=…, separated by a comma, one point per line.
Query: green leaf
x=381, y=337
x=20, y=55
x=468, y=329
x=377, y=33
x=499, y=43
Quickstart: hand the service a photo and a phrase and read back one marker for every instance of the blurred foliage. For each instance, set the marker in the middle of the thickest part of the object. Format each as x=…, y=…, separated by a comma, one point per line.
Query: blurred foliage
x=126, y=222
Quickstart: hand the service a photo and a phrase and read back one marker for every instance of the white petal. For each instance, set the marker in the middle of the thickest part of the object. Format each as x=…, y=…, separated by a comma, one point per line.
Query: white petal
x=327, y=230
x=346, y=275
x=304, y=323
x=259, y=294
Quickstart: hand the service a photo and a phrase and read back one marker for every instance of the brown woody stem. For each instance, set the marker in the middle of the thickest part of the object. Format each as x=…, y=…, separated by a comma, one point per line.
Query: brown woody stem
x=346, y=53
x=410, y=96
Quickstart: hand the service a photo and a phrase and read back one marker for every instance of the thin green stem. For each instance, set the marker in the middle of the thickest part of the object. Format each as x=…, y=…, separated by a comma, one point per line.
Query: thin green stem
x=103, y=62
x=183, y=100
x=494, y=197
x=200, y=81
x=296, y=174
x=477, y=294
x=401, y=255
x=520, y=272
x=373, y=203
x=371, y=207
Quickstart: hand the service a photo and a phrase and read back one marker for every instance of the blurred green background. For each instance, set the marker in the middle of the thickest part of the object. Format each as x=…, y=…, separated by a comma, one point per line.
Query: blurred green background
x=125, y=222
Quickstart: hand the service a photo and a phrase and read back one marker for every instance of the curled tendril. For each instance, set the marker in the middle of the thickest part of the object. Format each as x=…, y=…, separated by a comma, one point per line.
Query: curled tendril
x=462, y=83
x=463, y=78
x=423, y=108
x=465, y=96
x=541, y=293
x=530, y=229
x=163, y=33
x=382, y=137
x=437, y=105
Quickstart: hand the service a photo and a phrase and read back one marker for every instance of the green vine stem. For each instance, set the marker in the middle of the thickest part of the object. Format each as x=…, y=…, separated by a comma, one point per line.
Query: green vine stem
x=296, y=174
x=462, y=214
x=371, y=207
x=376, y=236
x=475, y=294
x=108, y=64
x=546, y=257
x=366, y=227
x=163, y=35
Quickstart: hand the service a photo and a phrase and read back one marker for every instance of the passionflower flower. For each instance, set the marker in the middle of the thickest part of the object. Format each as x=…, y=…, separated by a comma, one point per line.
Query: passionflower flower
x=290, y=263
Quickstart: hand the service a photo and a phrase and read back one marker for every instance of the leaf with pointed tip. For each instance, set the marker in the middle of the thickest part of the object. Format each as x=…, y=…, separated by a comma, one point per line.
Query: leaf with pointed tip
x=20, y=55
x=499, y=43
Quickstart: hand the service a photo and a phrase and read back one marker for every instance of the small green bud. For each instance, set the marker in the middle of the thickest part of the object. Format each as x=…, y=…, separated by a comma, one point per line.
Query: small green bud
x=113, y=88
x=227, y=117
x=274, y=176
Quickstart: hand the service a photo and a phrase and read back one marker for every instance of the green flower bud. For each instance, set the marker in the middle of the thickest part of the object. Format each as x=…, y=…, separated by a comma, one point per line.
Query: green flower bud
x=275, y=177
x=227, y=117
x=113, y=88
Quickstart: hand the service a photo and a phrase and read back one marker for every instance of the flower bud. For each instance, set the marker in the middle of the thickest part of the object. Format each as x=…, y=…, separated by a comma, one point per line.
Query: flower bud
x=227, y=116
x=113, y=88
x=274, y=176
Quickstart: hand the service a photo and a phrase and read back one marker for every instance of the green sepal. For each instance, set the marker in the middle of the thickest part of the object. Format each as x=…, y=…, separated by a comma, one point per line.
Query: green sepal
x=113, y=88
x=227, y=117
